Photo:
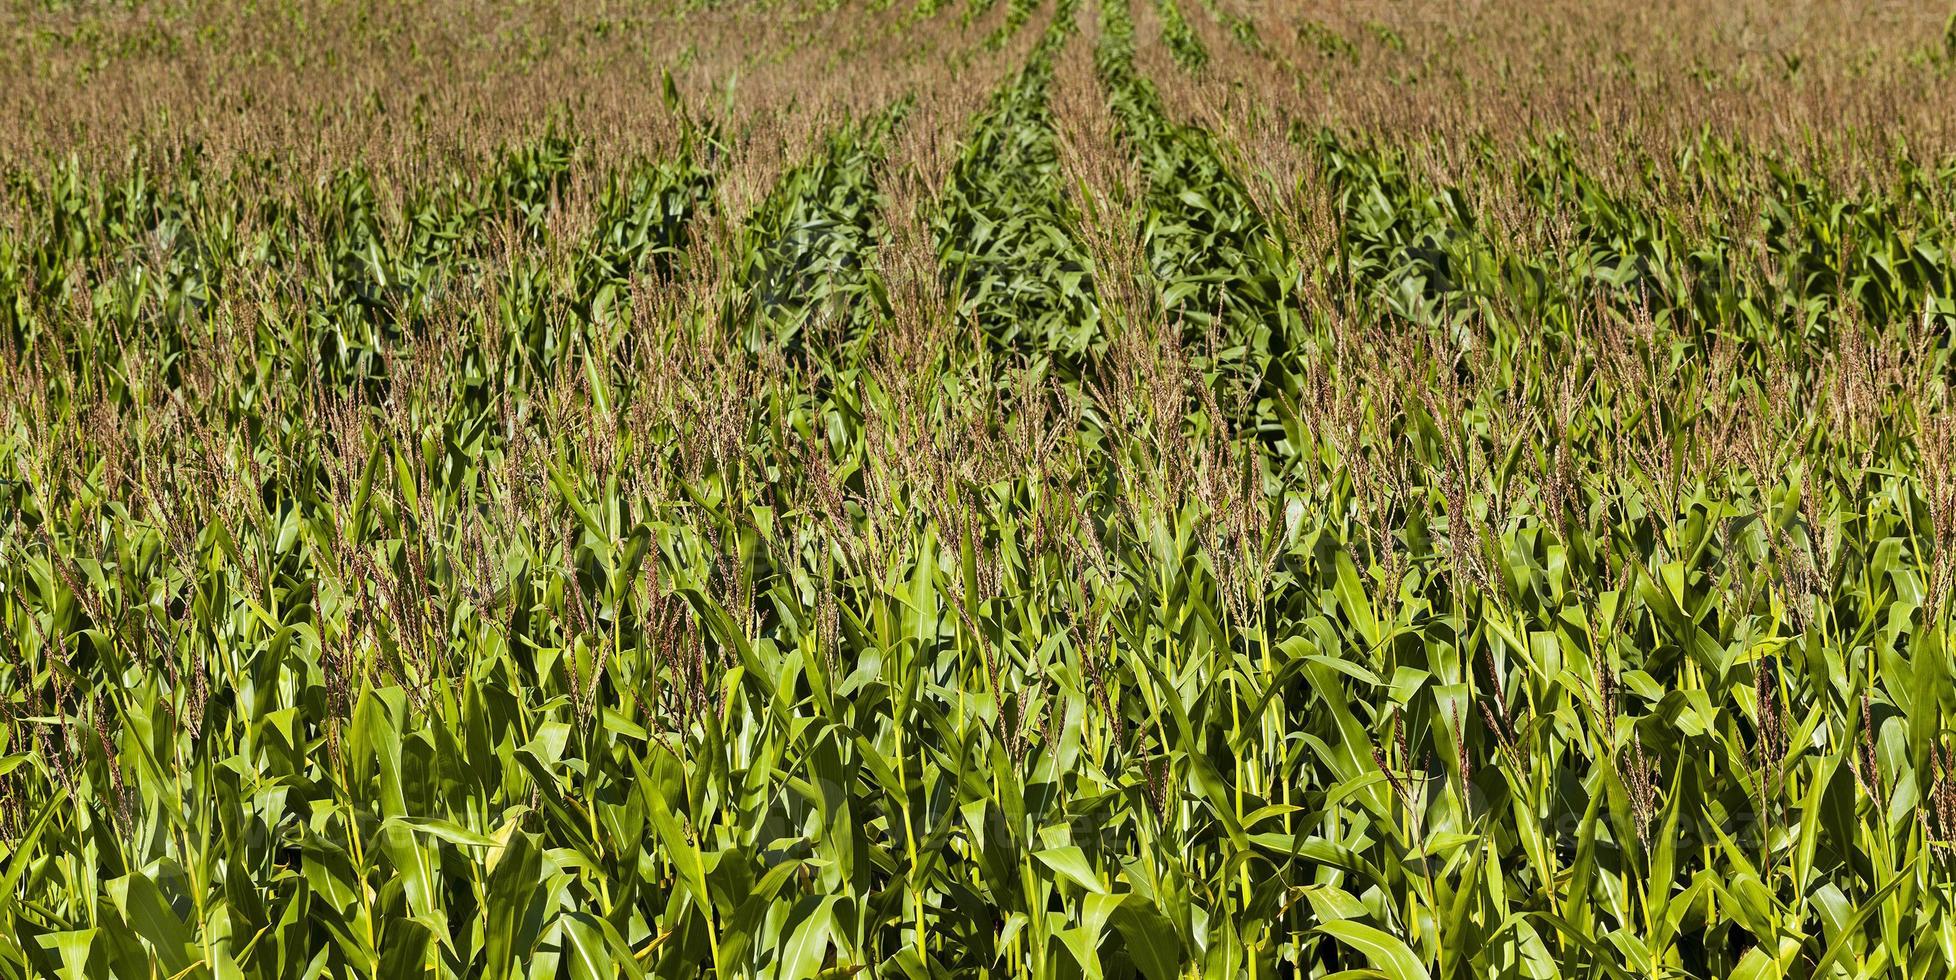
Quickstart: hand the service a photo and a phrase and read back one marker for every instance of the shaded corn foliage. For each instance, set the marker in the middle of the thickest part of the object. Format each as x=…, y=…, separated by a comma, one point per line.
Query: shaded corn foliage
x=1220, y=270
x=1777, y=283
x=1188, y=49
x=1003, y=224
x=802, y=265
x=1017, y=12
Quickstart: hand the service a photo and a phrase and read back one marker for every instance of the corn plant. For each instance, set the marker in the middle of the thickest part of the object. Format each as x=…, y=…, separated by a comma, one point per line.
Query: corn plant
x=525, y=562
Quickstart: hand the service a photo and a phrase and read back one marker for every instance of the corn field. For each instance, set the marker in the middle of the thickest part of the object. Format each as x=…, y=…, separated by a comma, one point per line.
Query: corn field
x=967, y=488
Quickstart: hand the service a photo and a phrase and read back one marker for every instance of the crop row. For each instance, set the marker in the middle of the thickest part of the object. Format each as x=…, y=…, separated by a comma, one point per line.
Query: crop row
x=1222, y=275
x=1004, y=228
x=801, y=263
x=1187, y=49
x=1813, y=264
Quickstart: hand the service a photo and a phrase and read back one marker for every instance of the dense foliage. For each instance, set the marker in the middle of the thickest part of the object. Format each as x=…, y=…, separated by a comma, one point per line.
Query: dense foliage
x=558, y=564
